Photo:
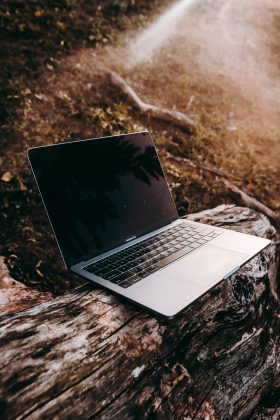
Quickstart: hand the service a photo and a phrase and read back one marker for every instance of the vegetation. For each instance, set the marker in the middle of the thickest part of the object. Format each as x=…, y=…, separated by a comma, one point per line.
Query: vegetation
x=54, y=90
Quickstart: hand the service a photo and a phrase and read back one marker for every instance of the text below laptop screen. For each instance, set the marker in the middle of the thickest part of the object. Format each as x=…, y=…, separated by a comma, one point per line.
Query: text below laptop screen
x=99, y=193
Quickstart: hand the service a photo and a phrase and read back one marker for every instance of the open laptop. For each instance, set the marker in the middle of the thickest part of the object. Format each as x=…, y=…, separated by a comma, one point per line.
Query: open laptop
x=116, y=223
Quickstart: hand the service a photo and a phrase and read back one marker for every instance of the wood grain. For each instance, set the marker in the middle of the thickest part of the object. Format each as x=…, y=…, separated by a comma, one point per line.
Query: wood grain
x=88, y=354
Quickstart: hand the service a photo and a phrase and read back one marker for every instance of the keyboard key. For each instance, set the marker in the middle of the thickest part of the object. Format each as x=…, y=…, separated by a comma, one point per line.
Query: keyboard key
x=144, y=265
x=173, y=257
x=207, y=238
x=164, y=254
x=137, y=270
x=140, y=260
x=194, y=245
x=134, y=279
x=172, y=249
x=199, y=229
x=101, y=264
x=113, y=266
x=125, y=284
x=151, y=270
x=206, y=231
x=104, y=271
x=118, y=279
x=111, y=275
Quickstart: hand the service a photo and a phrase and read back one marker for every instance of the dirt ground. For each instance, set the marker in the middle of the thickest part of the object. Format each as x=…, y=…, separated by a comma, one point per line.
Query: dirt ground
x=219, y=63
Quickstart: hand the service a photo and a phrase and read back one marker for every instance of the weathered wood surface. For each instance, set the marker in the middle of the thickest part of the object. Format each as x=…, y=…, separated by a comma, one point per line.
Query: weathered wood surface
x=177, y=118
x=87, y=354
x=15, y=296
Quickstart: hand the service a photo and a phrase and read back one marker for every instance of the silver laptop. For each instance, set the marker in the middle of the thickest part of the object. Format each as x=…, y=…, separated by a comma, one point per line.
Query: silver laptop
x=116, y=223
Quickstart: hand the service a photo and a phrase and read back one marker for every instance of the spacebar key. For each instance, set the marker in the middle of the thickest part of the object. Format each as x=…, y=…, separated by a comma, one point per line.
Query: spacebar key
x=173, y=257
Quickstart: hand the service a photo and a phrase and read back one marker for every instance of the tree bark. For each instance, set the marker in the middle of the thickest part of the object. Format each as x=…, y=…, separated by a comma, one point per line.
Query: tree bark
x=88, y=354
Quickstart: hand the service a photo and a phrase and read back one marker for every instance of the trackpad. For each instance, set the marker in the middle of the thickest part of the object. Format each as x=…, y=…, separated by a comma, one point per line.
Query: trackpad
x=206, y=266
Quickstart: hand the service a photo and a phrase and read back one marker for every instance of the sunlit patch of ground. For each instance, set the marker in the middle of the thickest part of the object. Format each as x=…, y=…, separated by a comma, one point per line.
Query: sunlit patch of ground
x=220, y=64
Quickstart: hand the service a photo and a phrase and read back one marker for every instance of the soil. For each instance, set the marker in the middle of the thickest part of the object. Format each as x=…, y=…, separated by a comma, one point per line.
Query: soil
x=54, y=89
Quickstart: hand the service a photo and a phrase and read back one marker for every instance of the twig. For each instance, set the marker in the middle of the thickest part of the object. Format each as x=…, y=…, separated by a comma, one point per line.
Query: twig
x=190, y=102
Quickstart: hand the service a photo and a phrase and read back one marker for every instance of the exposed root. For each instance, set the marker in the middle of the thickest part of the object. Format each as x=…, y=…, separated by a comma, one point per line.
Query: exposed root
x=177, y=118
x=241, y=198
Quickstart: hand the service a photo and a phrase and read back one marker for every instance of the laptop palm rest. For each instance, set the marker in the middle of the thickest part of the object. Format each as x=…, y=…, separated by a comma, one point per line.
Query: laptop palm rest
x=185, y=280
x=207, y=267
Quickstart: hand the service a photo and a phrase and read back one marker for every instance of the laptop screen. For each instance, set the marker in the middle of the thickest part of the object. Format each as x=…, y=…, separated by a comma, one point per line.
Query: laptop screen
x=101, y=193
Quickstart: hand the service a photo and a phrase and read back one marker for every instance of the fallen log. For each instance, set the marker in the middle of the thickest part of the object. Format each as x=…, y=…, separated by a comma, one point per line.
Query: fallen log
x=15, y=296
x=88, y=354
x=175, y=117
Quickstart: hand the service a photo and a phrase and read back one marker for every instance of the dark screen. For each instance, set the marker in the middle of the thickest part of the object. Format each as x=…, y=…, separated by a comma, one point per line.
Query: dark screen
x=100, y=192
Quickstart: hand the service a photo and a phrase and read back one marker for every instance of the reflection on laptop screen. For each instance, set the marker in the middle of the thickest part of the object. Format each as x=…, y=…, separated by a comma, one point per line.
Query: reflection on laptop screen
x=100, y=193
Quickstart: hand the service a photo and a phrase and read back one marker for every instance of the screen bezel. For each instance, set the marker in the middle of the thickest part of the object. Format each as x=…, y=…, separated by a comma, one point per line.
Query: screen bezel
x=32, y=151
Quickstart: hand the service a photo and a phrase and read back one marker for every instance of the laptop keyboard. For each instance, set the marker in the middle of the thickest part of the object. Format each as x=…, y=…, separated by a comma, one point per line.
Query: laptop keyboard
x=132, y=264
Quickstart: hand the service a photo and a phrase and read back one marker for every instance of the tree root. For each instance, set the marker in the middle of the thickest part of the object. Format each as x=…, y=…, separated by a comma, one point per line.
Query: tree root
x=175, y=117
x=241, y=198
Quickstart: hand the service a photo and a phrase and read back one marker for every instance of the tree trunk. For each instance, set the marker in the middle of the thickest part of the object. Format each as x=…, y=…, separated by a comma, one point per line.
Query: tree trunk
x=88, y=354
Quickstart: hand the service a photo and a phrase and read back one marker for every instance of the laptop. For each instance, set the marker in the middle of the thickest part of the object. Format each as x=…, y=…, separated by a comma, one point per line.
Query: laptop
x=116, y=223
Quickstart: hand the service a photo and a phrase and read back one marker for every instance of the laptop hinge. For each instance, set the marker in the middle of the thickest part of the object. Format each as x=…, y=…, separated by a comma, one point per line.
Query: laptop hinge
x=133, y=240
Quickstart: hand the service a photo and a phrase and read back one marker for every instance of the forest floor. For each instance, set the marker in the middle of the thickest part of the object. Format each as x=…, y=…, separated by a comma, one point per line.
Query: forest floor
x=217, y=62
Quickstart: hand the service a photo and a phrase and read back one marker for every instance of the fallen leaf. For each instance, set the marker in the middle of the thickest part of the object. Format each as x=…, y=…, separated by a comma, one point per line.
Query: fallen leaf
x=7, y=176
